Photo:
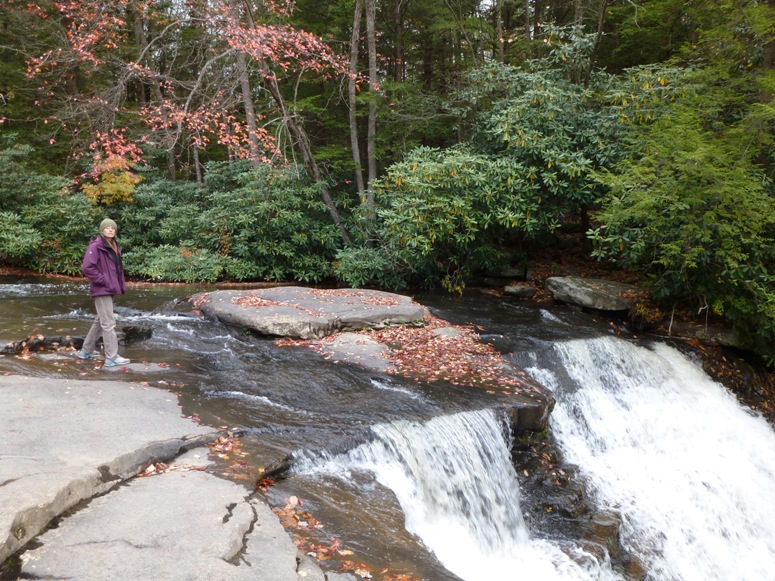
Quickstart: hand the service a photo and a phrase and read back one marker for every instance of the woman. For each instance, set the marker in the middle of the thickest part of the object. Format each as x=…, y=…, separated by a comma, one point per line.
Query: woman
x=103, y=267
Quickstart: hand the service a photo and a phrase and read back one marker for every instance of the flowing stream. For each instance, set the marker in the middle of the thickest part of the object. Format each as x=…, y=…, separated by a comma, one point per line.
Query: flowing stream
x=418, y=478
x=692, y=472
x=455, y=482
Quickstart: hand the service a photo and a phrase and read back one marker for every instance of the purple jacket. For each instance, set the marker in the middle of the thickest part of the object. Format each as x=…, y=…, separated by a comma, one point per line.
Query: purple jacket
x=103, y=268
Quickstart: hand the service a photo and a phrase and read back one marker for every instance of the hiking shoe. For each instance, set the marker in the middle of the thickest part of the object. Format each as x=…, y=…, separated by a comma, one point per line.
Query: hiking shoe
x=117, y=360
x=83, y=354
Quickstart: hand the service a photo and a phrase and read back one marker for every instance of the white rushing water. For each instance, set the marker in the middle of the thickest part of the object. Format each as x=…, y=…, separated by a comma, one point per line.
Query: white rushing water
x=690, y=470
x=457, y=487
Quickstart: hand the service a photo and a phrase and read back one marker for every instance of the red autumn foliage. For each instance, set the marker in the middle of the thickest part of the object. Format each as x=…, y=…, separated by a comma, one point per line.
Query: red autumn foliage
x=116, y=42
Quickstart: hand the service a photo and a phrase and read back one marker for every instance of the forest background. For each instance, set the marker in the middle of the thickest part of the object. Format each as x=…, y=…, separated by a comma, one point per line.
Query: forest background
x=397, y=142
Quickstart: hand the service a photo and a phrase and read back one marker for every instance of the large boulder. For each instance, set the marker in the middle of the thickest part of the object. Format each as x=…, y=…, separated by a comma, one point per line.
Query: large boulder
x=708, y=334
x=591, y=293
x=306, y=313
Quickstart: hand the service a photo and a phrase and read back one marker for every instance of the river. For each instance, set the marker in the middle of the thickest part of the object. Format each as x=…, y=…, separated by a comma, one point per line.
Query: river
x=431, y=489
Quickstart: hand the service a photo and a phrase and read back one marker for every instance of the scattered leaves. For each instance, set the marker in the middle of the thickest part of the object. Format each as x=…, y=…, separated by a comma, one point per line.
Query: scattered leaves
x=457, y=356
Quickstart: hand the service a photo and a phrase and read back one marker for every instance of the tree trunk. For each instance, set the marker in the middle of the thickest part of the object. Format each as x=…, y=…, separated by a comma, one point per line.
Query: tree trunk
x=538, y=9
x=247, y=93
x=169, y=138
x=578, y=13
x=351, y=87
x=398, y=50
x=371, y=138
x=140, y=42
x=302, y=141
x=197, y=163
x=498, y=10
x=769, y=48
x=527, y=20
x=457, y=14
x=247, y=103
x=598, y=38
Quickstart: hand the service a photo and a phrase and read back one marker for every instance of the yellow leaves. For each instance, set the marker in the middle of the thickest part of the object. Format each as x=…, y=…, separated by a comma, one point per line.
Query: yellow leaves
x=113, y=187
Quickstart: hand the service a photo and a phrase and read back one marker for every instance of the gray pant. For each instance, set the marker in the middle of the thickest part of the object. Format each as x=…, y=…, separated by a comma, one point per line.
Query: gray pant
x=104, y=325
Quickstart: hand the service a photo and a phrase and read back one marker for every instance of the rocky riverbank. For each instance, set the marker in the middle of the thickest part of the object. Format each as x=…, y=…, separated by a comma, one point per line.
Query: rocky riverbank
x=112, y=483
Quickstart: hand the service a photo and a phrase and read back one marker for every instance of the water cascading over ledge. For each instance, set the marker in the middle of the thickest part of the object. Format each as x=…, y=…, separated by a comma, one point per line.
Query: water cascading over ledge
x=690, y=470
x=454, y=480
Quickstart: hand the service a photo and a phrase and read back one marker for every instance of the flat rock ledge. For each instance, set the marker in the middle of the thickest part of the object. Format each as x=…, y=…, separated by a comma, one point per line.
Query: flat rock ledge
x=591, y=293
x=143, y=531
x=306, y=313
x=71, y=453
x=327, y=317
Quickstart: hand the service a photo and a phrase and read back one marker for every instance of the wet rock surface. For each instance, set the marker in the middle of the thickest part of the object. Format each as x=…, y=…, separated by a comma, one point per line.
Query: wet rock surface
x=396, y=336
x=591, y=293
x=707, y=334
x=306, y=313
x=360, y=350
x=42, y=343
x=557, y=504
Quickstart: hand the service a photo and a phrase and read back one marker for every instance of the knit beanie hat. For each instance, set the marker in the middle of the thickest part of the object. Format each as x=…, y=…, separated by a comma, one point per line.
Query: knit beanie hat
x=107, y=223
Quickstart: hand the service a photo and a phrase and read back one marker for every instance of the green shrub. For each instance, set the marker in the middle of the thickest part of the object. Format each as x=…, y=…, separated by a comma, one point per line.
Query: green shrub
x=21, y=187
x=43, y=226
x=18, y=241
x=364, y=266
x=244, y=223
x=696, y=212
x=176, y=264
x=537, y=135
x=66, y=223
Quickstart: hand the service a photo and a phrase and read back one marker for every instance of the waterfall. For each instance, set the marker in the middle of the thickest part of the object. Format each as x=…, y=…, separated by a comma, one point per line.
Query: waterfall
x=691, y=471
x=454, y=480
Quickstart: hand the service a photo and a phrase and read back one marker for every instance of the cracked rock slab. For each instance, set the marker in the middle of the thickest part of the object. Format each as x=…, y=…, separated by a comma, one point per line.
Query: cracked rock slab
x=178, y=525
x=64, y=441
x=306, y=313
x=181, y=524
